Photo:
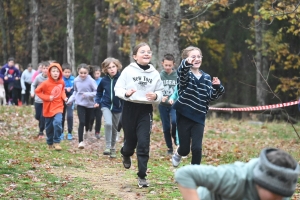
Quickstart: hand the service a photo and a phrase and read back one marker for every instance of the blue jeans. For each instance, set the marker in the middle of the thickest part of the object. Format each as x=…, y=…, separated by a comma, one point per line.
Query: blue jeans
x=53, y=128
x=168, y=118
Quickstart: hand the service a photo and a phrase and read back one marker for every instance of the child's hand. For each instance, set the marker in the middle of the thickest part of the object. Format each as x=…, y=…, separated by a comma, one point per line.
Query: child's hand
x=164, y=99
x=190, y=60
x=32, y=95
x=17, y=78
x=51, y=97
x=171, y=101
x=130, y=92
x=66, y=99
x=151, y=96
x=96, y=105
x=5, y=77
x=68, y=89
x=216, y=81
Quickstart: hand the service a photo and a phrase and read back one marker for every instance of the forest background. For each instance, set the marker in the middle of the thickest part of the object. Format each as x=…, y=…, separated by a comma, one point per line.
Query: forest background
x=253, y=46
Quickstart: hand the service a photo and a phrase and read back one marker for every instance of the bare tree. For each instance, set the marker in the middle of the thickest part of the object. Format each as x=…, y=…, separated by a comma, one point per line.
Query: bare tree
x=169, y=29
x=113, y=40
x=261, y=62
x=11, y=26
x=3, y=32
x=97, y=36
x=35, y=39
x=70, y=36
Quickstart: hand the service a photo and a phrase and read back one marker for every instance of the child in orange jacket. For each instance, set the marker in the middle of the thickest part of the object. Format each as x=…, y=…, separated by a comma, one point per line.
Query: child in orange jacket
x=53, y=95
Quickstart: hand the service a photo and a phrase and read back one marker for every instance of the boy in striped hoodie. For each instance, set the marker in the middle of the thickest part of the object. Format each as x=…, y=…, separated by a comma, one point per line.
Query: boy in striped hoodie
x=196, y=90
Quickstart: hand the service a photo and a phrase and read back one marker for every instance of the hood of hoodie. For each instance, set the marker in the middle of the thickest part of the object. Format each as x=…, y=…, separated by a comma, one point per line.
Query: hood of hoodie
x=60, y=72
x=135, y=65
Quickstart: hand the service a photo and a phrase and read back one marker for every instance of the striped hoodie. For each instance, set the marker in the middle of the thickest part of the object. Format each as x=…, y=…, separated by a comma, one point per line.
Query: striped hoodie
x=195, y=94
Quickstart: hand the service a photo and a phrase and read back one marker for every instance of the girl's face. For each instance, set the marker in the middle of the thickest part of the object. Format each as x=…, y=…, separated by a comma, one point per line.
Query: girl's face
x=143, y=55
x=197, y=58
x=83, y=73
x=112, y=69
x=97, y=74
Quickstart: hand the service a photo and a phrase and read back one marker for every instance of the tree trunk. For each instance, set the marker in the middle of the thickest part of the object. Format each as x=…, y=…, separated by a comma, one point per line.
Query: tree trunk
x=70, y=36
x=3, y=33
x=132, y=32
x=169, y=30
x=11, y=27
x=112, y=36
x=35, y=39
x=260, y=83
x=97, y=36
x=153, y=35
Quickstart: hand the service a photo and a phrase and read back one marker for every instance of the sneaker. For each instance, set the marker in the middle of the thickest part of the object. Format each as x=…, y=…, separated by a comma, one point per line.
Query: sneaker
x=97, y=135
x=113, y=153
x=170, y=152
x=62, y=136
x=142, y=182
x=106, y=152
x=50, y=146
x=57, y=146
x=126, y=161
x=81, y=145
x=176, y=159
x=70, y=136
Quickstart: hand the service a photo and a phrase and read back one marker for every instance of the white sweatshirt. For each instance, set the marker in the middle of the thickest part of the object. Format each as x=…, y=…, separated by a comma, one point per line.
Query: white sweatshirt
x=143, y=81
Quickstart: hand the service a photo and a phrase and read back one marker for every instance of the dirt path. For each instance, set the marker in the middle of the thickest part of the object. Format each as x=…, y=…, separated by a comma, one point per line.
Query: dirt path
x=105, y=174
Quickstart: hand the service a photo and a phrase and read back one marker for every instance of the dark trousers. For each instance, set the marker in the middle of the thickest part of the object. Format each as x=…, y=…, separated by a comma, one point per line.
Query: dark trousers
x=189, y=132
x=16, y=95
x=84, y=115
x=68, y=109
x=8, y=91
x=27, y=98
x=39, y=116
x=97, y=116
x=137, y=125
x=168, y=119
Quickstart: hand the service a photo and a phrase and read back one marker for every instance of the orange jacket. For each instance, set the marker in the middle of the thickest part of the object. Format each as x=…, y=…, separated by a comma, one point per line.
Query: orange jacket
x=56, y=88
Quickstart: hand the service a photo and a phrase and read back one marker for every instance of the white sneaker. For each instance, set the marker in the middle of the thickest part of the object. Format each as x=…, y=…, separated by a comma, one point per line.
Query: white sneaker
x=176, y=159
x=81, y=145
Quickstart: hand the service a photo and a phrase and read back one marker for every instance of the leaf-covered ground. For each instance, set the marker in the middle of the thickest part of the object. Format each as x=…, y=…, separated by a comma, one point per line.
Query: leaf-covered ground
x=29, y=170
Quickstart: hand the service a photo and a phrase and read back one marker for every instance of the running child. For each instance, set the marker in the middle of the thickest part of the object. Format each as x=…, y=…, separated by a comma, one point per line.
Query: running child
x=196, y=90
x=68, y=109
x=84, y=93
x=140, y=86
x=111, y=105
x=53, y=95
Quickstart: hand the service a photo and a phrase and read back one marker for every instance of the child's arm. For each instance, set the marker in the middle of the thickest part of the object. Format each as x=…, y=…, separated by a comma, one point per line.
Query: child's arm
x=63, y=93
x=23, y=82
x=120, y=87
x=174, y=96
x=33, y=86
x=217, y=89
x=39, y=93
x=72, y=97
x=158, y=91
x=99, y=94
x=183, y=74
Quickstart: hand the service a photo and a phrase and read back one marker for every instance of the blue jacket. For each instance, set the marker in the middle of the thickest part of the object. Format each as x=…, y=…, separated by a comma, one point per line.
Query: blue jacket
x=106, y=95
x=195, y=95
x=69, y=83
x=10, y=72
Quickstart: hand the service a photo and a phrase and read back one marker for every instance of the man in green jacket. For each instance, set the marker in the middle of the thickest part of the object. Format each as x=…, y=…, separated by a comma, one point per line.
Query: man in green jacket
x=272, y=176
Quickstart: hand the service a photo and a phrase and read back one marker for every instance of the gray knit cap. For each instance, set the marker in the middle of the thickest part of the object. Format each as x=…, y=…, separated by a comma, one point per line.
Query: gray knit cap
x=277, y=179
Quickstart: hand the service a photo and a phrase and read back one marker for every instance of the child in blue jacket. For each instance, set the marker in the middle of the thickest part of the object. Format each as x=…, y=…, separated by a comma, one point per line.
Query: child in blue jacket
x=111, y=105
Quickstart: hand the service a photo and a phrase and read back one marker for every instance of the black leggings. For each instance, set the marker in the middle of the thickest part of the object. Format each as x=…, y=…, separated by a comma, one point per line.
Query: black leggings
x=84, y=115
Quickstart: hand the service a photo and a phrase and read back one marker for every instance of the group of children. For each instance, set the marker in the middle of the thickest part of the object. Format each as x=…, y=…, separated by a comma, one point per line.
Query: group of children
x=183, y=97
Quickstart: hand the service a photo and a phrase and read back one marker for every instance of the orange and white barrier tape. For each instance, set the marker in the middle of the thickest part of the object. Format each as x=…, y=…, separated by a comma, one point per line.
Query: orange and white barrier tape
x=254, y=108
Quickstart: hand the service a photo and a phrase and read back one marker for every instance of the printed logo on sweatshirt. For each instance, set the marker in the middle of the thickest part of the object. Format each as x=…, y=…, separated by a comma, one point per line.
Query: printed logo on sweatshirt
x=56, y=90
x=142, y=82
x=168, y=90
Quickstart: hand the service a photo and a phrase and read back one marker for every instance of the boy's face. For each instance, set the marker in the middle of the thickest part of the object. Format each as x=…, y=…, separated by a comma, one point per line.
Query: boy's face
x=29, y=69
x=168, y=65
x=265, y=194
x=11, y=63
x=54, y=72
x=112, y=69
x=45, y=70
x=197, y=58
x=67, y=73
x=97, y=74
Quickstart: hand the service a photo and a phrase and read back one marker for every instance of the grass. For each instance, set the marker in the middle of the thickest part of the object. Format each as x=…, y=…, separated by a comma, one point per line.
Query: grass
x=28, y=170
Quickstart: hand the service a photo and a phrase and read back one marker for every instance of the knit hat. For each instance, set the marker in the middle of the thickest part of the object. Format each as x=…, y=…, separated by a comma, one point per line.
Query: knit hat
x=277, y=179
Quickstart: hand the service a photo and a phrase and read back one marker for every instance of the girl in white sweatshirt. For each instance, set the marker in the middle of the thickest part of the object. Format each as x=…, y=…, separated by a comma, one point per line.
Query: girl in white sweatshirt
x=140, y=86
